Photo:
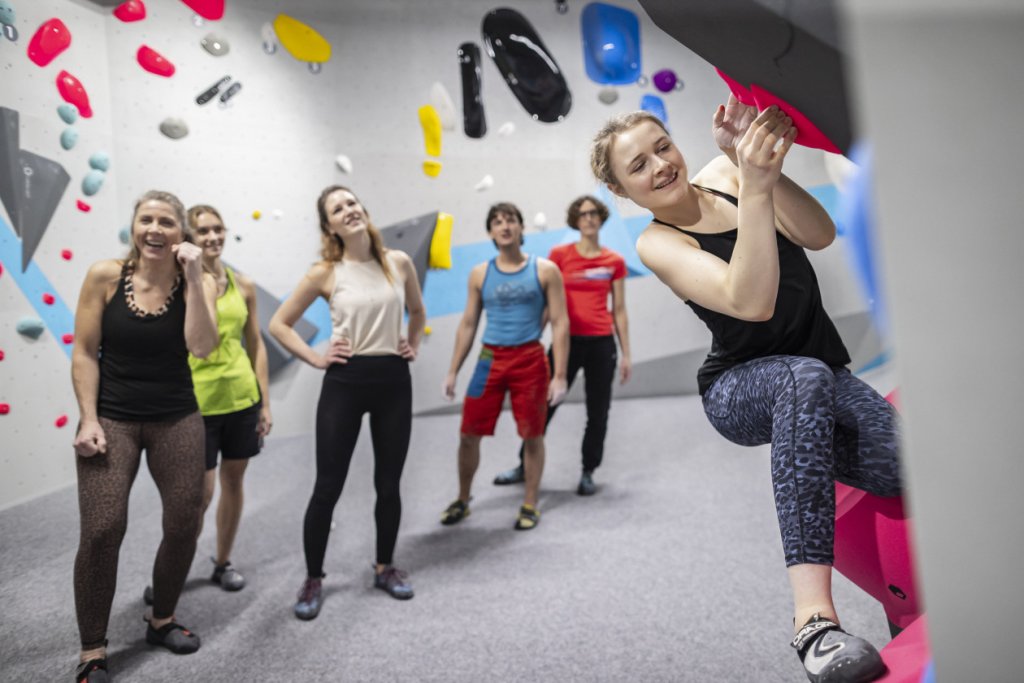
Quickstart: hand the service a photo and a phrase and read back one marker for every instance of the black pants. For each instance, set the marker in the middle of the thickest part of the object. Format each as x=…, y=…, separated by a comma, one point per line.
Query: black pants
x=597, y=357
x=380, y=386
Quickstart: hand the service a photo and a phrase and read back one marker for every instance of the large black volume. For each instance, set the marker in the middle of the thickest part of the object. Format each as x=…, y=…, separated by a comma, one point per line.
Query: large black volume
x=473, y=121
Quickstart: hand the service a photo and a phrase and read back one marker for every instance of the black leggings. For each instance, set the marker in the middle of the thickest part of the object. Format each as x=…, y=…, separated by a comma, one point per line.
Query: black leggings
x=596, y=356
x=380, y=386
x=174, y=453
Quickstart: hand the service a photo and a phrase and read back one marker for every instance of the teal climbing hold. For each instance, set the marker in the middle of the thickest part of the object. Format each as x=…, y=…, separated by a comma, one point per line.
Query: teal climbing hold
x=100, y=161
x=31, y=327
x=69, y=138
x=92, y=182
x=68, y=113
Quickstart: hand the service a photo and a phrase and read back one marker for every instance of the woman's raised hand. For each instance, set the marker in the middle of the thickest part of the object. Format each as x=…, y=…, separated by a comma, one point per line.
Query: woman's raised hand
x=730, y=122
x=762, y=148
x=339, y=351
x=190, y=257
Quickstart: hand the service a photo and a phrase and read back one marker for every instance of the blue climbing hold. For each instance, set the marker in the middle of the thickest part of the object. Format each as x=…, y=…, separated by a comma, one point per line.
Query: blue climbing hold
x=31, y=327
x=68, y=113
x=100, y=161
x=69, y=138
x=124, y=235
x=92, y=182
x=611, y=44
x=655, y=105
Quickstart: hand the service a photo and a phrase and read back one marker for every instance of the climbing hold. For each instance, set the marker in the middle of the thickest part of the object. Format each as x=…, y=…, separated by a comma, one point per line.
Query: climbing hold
x=486, y=183
x=301, y=41
x=30, y=327
x=507, y=129
x=7, y=16
x=207, y=9
x=82, y=206
x=256, y=215
x=540, y=220
x=238, y=238
x=277, y=214
x=211, y=92
x=154, y=62
x=124, y=235
x=66, y=254
x=269, y=39
x=216, y=45
x=71, y=90
x=441, y=243
x=130, y=10
x=608, y=95
x=344, y=163
x=474, y=123
x=68, y=338
x=50, y=40
x=230, y=92
x=48, y=298
x=100, y=161
x=427, y=329
x=432, y=168
x=67, y=113
x=174, y=128
x=654, y=105
x=665, y=80
x=641, y=80
x=1, y=354
x=430, y=122
x=611, y=44
x=60, y=421
x=442, y=103
x=69, y=138
x=5, y=408
x=92, y=182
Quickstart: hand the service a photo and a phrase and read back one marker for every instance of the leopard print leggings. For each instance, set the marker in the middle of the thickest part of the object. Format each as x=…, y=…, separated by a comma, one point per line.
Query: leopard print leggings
x=824, y=425
x=175, y=456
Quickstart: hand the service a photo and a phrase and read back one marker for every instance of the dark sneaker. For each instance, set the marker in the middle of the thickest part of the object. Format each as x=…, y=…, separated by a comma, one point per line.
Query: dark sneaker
x=512, y=476
x=831, y=655
x=528, y=518
x=147, y=595
x=93, y=671
x=229, y=578
x=587, y=486
x=455, y=513
x=174, y=637
x=310, y=599
x=393, y=581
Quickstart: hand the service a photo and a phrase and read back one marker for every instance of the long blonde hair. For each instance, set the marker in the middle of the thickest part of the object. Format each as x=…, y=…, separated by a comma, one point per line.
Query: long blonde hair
x=179, y=213
x=600, y=164
x=332, y=248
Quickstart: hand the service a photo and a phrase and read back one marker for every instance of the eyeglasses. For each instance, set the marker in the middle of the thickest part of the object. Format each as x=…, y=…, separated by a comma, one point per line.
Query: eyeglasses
x=592, y=213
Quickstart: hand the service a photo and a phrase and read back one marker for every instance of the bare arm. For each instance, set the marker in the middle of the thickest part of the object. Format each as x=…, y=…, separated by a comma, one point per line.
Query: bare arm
x=413, y=305
x=466, y=332
x=257, y=352
x=622, y=328
x=554, y=291
x=201, y=336
x=85, y=366
x=317, y=282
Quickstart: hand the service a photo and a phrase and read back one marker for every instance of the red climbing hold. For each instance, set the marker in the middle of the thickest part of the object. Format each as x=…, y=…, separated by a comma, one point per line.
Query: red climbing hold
x=5, y=408
x=1, y=354
x=72, y=91
x=68, y=338
x=65, y=254
x=207, y=9
x=154, y=62
x=60, y=421
x=52, y=38
x=82, y=206
x=48, y=299
x=130, y=10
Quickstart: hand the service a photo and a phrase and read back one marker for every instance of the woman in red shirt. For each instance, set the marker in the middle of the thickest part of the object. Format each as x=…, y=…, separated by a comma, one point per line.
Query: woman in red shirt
x=591, y=273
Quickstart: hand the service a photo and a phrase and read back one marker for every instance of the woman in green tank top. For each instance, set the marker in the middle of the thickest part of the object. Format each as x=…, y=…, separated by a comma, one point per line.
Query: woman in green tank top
x=231, y=385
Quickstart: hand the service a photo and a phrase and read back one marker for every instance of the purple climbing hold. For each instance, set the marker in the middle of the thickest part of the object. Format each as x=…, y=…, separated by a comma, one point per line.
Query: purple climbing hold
x=665, y=80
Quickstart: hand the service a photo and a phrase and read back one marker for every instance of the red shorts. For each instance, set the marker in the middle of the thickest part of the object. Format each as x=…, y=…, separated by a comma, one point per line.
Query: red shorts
x=520, y=370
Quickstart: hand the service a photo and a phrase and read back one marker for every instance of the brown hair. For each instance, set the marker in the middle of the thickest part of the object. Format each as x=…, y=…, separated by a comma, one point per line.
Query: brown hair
x=332, y=248
x=509, y=209
x=194, y=212
x=573, y=214
x=179, y=213
x=600, y=164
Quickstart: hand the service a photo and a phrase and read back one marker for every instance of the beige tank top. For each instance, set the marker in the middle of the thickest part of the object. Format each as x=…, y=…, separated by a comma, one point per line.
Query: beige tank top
x=366, y=309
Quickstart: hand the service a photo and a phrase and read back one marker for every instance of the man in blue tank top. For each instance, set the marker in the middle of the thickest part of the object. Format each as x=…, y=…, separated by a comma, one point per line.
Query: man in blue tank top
x=520, y=293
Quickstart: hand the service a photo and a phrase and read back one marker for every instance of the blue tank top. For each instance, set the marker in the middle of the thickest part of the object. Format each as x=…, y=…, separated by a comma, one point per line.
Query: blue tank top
x=514, y=303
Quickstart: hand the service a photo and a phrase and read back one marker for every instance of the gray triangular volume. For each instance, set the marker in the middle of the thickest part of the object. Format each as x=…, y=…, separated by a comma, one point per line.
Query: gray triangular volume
x=413, y=236
x=10, y=169
x=277, y=355
x=41, y=186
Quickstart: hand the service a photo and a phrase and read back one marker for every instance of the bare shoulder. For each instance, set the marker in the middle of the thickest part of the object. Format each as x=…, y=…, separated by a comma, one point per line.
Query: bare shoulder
x=245, y=284
x=547, y=268
x=320, y=271
x=104, y=271
x=719, y=174
x=657, y=240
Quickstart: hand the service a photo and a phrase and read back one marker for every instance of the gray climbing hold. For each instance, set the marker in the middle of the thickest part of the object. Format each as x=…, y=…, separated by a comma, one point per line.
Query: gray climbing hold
x=68, y=113
x=608, y=95
x=100, y=161
x=31, y=327
x=124, y=235
x=69, y=138
x=92, y=182
x=174, y=128
x=216, y=45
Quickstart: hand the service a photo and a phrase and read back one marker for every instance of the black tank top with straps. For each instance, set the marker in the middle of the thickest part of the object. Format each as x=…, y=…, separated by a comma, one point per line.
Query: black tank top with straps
x=144, y=373
x=799, y=327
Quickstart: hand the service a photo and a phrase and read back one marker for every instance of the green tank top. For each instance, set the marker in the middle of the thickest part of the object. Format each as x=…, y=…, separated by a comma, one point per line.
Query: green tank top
x=225, y=381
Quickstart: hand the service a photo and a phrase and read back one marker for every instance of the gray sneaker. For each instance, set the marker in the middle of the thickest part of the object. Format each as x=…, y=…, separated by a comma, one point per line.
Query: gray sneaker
x=393, y=582
x=512, y=476
x=587, y=486
x=831, y=655
x=310, y=599
x=229, y=578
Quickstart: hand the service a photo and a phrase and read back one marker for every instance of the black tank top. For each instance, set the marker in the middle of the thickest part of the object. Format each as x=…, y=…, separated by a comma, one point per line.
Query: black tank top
x=144, y=373
x=799, y=327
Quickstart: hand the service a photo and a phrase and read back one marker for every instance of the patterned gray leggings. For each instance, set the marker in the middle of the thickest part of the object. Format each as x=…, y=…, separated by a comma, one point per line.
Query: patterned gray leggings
x=824, y=425
x=176, y=458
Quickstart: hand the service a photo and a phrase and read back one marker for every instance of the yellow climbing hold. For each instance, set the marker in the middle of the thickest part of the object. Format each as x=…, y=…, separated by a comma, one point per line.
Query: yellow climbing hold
x=256, y=215
x=432, y=168
x=427, y=329
x=301, y=40
x=441, y=243
x=431, y=124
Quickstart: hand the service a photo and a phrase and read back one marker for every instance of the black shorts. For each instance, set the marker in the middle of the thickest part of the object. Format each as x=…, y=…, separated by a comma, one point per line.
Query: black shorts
x=233, y=435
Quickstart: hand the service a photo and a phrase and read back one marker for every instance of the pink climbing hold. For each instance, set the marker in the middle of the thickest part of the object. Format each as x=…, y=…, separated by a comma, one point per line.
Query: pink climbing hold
x=66, y=254
x=72, y=91
x=1, y=354
x=741, y=93
x=5, y=408
x=207, y=9
x=52, y=38
x=807, y=134
x=48, y=299
x=154, y=62
x=130, y=10
x=83, y=207
x=68, y=338
x=60, y=421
